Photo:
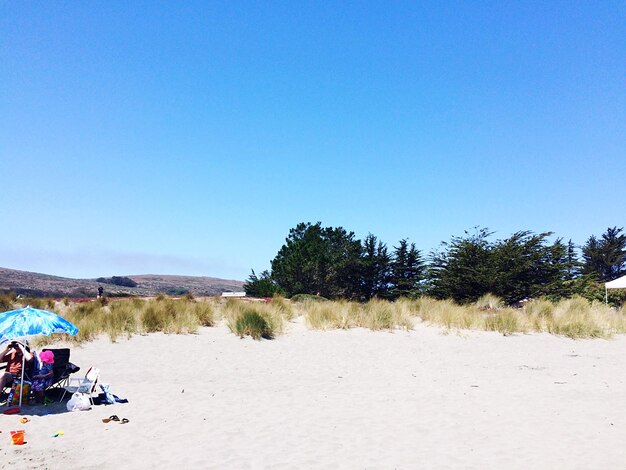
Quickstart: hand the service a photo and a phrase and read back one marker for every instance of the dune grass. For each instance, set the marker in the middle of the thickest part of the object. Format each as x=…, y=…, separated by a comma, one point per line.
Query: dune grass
x=121, y=318
x=258, y=320
x=573, y=318
x=7, y=301
x=126, y=317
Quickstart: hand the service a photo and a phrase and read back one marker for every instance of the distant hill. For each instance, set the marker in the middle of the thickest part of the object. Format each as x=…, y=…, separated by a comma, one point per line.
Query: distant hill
x=45, y=285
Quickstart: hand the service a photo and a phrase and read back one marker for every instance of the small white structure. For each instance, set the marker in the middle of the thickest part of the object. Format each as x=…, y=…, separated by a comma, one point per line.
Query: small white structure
x=233, y=294
x=619, y=283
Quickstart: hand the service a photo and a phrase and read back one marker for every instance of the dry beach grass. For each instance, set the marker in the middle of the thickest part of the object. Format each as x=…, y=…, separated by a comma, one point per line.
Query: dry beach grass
x=574, y=318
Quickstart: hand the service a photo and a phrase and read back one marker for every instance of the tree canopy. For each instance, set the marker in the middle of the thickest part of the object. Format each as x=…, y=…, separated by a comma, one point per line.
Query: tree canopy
x=331, y=262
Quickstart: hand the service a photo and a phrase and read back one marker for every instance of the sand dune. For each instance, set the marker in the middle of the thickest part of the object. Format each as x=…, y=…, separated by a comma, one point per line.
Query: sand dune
x=341, y=399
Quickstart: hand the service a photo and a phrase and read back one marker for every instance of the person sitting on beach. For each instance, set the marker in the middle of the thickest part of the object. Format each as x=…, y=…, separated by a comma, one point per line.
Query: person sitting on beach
x=13, y=355
x=44, y=375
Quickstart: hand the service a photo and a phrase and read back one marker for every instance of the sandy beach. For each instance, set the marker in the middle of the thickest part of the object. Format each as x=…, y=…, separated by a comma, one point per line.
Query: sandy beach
x=340, y=399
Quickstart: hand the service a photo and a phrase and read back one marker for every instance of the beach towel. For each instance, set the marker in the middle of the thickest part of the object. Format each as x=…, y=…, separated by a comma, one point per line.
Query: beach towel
x=108, y=397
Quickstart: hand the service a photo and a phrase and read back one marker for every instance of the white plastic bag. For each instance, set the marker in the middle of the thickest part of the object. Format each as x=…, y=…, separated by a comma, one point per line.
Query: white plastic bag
x=79, y=402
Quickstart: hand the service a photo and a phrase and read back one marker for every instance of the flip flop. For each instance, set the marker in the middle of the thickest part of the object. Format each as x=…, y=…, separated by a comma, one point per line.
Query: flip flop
x=24, y=420
x=125, y=420
x=12, y=411
x=110, y=418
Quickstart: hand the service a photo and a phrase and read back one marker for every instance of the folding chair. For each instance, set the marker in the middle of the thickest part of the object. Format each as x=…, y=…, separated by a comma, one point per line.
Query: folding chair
x=85, y=385
x=62, y=367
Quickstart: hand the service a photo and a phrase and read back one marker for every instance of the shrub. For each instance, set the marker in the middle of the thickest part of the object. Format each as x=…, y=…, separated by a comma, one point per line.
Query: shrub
x=308, y=297
x=122, y=320
x=504, y=321
x=176, y=291
x=89, y=318
x=263, y=286
x=205, y=313
x=33, y=302
x=252, y=324
x=573, y=318
x=283, y=306
x=540, y=308
x=327, y=315
x=489, y=302
x=152, y=319
x=378, y=315
x=448, y=314
x=118, y=281
x=234, y=310
x=6, y=302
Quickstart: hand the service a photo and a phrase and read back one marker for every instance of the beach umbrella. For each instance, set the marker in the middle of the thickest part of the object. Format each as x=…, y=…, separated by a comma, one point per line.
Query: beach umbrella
x=30, y=321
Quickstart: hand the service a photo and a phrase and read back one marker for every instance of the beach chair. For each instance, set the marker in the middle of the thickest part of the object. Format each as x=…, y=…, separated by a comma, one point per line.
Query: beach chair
x=85, y=385
x=62, y=367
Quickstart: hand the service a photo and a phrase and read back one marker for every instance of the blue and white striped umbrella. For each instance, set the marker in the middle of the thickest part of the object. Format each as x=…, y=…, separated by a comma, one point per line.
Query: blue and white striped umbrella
x=33, y=321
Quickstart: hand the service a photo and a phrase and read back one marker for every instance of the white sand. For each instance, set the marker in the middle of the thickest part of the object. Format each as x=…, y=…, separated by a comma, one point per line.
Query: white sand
x=341, y=399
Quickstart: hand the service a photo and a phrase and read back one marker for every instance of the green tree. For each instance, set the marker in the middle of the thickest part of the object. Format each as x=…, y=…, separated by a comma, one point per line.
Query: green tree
x=375, y=273
x=524, y=266
x=605, y=258
x=521, y=266
x=572, y=263
x=461, y=269
x=407, y=270
x=261, y=286
x=318, y=260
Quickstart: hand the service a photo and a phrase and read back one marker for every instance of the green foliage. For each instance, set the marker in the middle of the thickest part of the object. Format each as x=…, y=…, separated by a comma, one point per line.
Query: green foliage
x=375, y=272
x=407, y=271
x=273, y=314
x=317, y=260
x=261, y=286
x=118, y=281
x=308, y=298
x=461, y=270
x=330, y=262
x=521, y=266
x=605, y=257
x=176, y=291
x=251, y=323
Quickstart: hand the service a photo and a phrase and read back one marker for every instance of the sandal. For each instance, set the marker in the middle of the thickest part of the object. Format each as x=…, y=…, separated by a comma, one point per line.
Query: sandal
x=110, y=418
x=124, y=421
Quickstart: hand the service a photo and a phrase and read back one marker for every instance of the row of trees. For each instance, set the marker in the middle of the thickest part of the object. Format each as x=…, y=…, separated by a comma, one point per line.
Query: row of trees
x=332, y=263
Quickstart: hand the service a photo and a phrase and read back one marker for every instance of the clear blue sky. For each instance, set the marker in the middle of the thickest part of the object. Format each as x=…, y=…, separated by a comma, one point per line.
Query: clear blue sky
x=189, y=137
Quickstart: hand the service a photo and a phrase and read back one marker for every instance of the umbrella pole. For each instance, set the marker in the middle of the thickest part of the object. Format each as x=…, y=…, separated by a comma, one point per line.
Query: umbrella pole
x=22, y=384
